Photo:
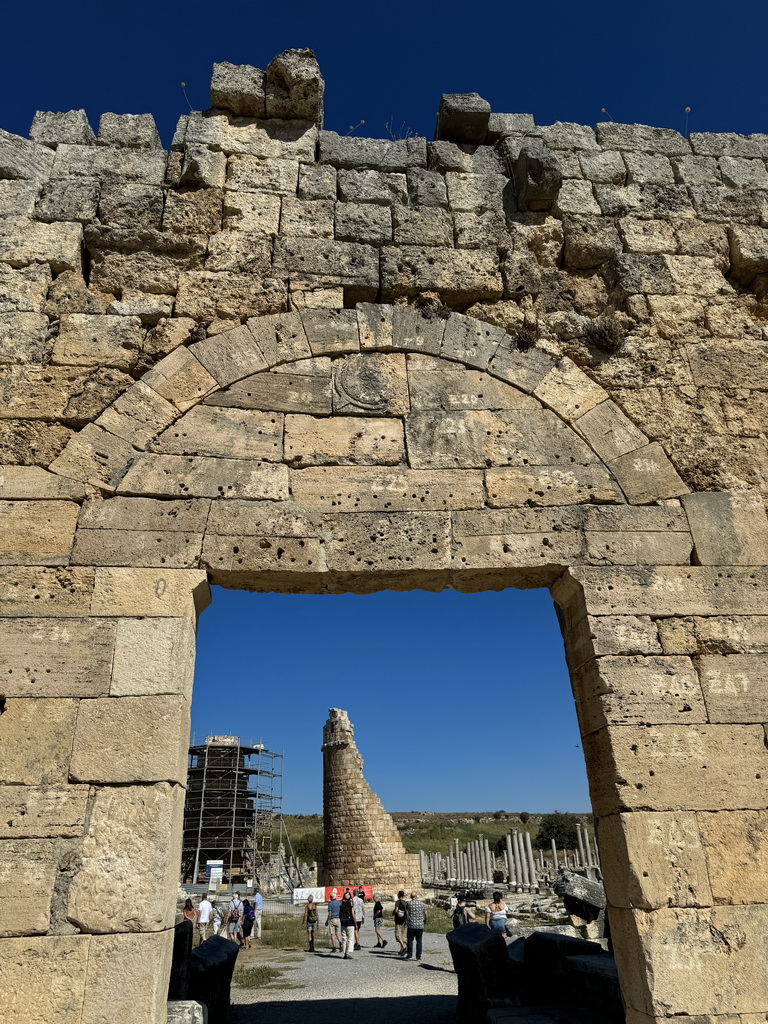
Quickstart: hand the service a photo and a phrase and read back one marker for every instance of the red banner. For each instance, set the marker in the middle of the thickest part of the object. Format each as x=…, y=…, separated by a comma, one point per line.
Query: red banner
x=341, y=889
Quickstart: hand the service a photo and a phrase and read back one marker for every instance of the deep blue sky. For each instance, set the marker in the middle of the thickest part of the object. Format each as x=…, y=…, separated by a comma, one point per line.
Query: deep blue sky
x=459, y=701
x=559, y=61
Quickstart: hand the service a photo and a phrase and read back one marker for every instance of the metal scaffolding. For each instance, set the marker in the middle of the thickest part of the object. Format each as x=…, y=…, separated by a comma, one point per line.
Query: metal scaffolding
x=233, y=811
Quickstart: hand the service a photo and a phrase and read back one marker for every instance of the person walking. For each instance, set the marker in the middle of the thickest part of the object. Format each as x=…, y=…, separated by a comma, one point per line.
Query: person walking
x=401, y=923
x=332, y=921
x=249, y=917
x=359, y=905
x=218, y=917
x=189, y=912
x=461, y=913
x=496, y=915
x=378, y=921
x=309, y=920
x=258, y=906
x=204, y=915
x=416, y=918
x=235, y=919
x=347, y=922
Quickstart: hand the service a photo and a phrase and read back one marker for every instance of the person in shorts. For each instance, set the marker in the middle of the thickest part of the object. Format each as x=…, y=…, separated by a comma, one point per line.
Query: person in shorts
x=378, y=923
x=332, y=920
x=309, y=920
x=204, y=915
x=401, y=923
x=359, y=904
x=235, y=919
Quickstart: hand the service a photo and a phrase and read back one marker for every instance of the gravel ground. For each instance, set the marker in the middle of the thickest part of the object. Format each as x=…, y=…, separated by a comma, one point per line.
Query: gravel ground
x=322, y=985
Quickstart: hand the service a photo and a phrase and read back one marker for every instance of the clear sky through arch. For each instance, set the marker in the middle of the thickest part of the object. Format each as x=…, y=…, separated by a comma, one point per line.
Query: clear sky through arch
x=460, y=702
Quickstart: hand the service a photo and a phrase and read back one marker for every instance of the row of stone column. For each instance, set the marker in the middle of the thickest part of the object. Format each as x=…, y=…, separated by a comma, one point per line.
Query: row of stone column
x=476, y=864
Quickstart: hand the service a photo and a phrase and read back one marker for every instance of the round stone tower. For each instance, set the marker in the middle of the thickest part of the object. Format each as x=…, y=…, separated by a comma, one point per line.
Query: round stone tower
x=362, y=844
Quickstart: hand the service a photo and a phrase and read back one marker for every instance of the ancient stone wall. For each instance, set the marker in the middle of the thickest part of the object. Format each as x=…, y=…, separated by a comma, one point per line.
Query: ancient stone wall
x=361, y=842
x=279, y=359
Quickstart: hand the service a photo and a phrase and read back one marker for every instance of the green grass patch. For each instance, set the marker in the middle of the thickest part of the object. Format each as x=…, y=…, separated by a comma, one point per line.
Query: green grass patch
x=256, y=977
x=280, y=932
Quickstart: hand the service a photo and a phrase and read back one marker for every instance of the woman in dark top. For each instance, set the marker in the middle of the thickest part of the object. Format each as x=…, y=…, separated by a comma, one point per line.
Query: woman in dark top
x=378, y=921
x=347, y=919
x=249, y=916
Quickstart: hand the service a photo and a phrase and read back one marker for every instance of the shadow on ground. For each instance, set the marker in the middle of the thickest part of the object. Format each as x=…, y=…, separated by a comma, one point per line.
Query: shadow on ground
x=362, y=1009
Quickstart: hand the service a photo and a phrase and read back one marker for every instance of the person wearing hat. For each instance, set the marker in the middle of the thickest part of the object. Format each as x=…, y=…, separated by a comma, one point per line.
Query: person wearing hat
x=332, y=921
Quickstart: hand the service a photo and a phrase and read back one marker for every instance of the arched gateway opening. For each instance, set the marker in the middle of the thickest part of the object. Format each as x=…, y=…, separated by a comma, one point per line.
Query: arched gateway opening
x=456, y=460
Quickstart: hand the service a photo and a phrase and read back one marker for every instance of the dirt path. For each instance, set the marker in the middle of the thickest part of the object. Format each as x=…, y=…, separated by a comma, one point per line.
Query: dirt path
x=317, y=988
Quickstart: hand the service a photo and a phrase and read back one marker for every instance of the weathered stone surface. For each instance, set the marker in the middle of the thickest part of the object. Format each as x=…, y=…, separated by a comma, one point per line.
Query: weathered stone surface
x=609, y=431
x=364, y=222
x=39, y=812
x=238, y=88
x=653, y=860
x=37, y=532
x=470, y=341
x=177, y=550
x=331, y=331
x=59, y=245
x=676, y=767
x=49, y=128
x=551, y=485
x=145, y=514
x=36, y=591
x=43, y=978
x=138, y=415
x=294, y=86
x=374, y=489
x=594, y=636
x=176, y=476
x=27, y=876
x=186, y=1011
x=283, y=338
x=568, y=391
x=140, y=825
x=23, y=290
x=735, y=848
x=118, y=982
x=96, y=457
x=23, y=338
x=229, y=433
x=147, y=740
x=638, y=548
x=728, y=528
x=180, y=379
x=647, y=475
x=355, y=153
x=37, y=738
x=21, y=158
x=525, y=368
x=638, y=689
x=316, y=263
x=372, y=187
x=735, y=686
x=343, y=440
x=136, y=131
x=447, y=386
x=302, y=386
x=167, y=593
x=98, y=341
x=153, y=656
x=370, y=384
x=57, y=657
x=204, y=295
x=255, y=212
x=413, y=331
x=460, y=275
x=462, y=117
x=397, y=541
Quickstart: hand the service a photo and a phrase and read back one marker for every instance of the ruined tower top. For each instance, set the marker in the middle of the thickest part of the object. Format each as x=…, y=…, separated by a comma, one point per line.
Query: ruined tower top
x=338, y=731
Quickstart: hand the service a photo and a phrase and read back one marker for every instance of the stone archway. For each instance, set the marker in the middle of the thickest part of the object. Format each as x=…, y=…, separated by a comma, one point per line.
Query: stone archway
x=430, y=451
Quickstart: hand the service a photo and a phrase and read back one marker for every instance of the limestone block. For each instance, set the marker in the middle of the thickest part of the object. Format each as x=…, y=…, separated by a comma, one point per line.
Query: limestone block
x=23, y=337
x=735, y=686
x=175, y=550
x=650, y=199
x=460, y=275
x=68, y=199
x=49, y=128
x=609, y=431
x=24, y=290
x=692, y=961
x=27, y=876
x=187, y=1011
x=525, y=369
x=276, y=138
x=399, y=540
x=364, y=222
x=297, y=389
x=254, y=212
x=729, y=528
x=478, y=438
x=715, y=364
x=315, y=263
x=696, y=275
x=676, y=767
x=638, y=548
x=426, y=188
x=177, y=476
x=261, y=519
x=594, y=636
x=294, y=86
x=589, y=241
x=18, y=198
x=26, y=442
x=31, y=483
x=150, y=309
x=166, y=593
x=481, y=230
x=748, y=252
x=428, y=226
x=156, y=273
x=355, y=153
x=281, y=338
x=200, y=166
x=59, y=245
x=551, y=485
x=43, y=978
x=21, y=158
x=739, y=172
x=230, y=356
x=568, y=391
x=131, y=205
x=374, y=489
x=372, y=187
x=37, y=533
x=147, y=740
x=109, y=162
x=98, y=341
x=56, y=657
x=254, y=174
x=237, y=554
x=575, y=198
x=230, y=433
x=36, y=591
x=722, y=143
x=647, y=475
x=145, y=514
x=127, y=978
x=605, y=167
x=415, y=331
x=180, y=379
x=238, y=88
x=137, y=131
x=636, y=689
x=735, y=845
x=305, y=219
x=370, y=384
x=37, y=740
x=477, y=193
x=654, y=860
x=537, y=172
x=153, y=656
x=647, y=237
x=732, y=634
x=95, y=456
x=343, y=440
x=449, y=387
x=725, y=205
x=505, y=124
x=138, y=415
x=137, y=825
x=665, y=519
x=462, y=117
x=39, y=812
x=317, y=181
x=642, y=138
x=205, y=295
x=543, y=551
x=193, y=213
x=471, y=341
x=331, y=331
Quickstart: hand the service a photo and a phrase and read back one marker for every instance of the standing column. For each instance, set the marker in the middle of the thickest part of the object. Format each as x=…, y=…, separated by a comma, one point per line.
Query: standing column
x=464, y=868
x=491, y=860
x=597, y=853
x=580, y=840
x=481, y=857
x=518, y=841
x=510, y=860
x=456, y=859
x=531, y=865
x=554, y=856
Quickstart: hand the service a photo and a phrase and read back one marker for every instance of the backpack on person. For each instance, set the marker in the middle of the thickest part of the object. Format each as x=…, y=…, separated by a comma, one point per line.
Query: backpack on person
x=459, y=917
x=250, y=914
x=234, y=914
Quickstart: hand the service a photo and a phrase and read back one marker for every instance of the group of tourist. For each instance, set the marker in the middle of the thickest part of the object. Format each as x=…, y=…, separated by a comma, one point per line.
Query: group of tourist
x=238, y=919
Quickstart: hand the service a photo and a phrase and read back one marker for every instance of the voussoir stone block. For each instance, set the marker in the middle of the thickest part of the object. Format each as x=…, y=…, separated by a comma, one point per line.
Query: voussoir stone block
x=147, y=740
x=137, y=825
x=370, y=384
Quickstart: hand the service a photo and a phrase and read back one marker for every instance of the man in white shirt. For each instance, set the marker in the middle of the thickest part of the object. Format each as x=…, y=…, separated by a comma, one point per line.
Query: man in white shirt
x=258, y=904
x=204, y=914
